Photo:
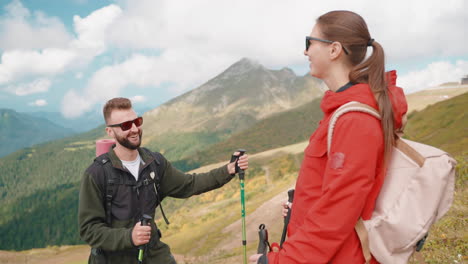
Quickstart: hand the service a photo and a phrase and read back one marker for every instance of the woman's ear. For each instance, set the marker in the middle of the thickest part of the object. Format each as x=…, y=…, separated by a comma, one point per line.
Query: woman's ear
x=335, y=50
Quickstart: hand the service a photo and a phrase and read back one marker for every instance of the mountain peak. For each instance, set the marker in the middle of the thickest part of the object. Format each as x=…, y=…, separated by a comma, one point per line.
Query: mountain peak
x=241, y=67
x=247, y=61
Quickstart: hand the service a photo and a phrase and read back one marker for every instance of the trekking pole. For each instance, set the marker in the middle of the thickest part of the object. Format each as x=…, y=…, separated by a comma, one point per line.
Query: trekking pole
x=286, y=220
x=144, y=221
x=241, y=178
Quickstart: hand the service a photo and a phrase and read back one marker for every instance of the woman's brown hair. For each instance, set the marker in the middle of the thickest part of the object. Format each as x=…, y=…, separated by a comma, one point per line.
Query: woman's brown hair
x=351, y=31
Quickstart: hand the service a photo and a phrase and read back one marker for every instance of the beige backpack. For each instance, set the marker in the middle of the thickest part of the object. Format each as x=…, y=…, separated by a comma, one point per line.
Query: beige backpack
x=417, y=191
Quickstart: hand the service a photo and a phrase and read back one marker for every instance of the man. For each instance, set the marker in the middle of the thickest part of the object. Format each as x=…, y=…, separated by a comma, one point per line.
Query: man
x=129, y=182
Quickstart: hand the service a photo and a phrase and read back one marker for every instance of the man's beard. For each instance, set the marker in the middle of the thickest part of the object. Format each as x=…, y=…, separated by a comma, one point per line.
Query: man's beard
x=127, y=144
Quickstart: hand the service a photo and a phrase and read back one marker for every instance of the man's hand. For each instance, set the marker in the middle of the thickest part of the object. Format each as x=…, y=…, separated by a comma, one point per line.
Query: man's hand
x=243, y=163
x=141, y=234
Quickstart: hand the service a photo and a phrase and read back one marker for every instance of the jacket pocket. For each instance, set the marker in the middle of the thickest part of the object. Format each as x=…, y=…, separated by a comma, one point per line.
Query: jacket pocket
x=317, y=148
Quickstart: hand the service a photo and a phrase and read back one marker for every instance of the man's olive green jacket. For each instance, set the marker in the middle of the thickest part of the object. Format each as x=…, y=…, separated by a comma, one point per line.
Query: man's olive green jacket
x=130, y=201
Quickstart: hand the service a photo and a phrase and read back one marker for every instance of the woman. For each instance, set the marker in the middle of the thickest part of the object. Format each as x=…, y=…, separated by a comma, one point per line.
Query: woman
x=335, y=189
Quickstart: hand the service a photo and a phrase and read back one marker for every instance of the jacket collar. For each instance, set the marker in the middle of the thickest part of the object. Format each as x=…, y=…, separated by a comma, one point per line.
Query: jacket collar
x=363, y=94
x=146, y=158
x=359, y=92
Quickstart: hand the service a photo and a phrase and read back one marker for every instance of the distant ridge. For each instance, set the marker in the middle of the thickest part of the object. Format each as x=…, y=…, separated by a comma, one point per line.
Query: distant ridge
x=421, y=99
x=18, y=130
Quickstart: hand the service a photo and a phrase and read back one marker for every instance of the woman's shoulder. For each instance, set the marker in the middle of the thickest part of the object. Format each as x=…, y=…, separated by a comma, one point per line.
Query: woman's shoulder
x=359, y=122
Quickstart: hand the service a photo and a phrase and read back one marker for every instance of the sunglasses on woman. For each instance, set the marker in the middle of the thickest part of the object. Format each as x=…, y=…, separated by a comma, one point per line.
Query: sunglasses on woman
x=308, y=39
x=128, y=124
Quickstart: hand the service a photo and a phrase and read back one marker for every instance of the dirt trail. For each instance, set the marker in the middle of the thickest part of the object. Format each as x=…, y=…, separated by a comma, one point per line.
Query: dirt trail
x=51, y=255
x=269, y=213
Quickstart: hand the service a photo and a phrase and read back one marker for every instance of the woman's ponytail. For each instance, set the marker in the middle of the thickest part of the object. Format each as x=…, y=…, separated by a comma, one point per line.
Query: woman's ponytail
x=372, y=71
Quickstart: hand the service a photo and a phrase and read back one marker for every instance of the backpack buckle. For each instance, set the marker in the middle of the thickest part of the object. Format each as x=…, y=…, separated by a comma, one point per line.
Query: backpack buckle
x=97, y=252
x=146, y=182
x=420, y=243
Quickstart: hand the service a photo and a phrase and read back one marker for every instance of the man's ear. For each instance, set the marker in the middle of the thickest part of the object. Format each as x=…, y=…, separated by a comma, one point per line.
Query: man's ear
x=335, y=50
x=110, y=132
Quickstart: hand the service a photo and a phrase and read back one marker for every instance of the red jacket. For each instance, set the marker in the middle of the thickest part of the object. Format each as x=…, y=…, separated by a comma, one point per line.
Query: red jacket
x=333, y=191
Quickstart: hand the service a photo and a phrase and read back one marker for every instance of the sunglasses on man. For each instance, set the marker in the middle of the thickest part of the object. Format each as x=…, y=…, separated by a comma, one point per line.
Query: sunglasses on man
x=308, y=39
x=128, y=124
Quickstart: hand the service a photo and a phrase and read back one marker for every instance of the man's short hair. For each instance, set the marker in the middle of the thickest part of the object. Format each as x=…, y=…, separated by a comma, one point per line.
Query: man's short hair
x=118, y=103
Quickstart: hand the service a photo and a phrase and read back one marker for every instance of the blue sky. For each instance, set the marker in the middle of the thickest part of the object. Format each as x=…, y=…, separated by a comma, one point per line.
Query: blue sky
x=72, y=55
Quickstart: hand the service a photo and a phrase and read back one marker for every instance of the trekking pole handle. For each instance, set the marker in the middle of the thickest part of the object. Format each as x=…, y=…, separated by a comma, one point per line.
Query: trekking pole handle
x=238, y=169
x=262, y=239
x=290, y=200
x=286, y=219
x=290, y=196
x=143, y=221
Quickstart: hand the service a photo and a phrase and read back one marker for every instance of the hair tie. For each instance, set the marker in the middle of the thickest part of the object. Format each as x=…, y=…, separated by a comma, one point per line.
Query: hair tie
x=369, y=43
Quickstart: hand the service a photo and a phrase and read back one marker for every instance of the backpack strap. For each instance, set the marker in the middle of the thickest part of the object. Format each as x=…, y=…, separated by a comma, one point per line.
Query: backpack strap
x=348, y=107
x=355, y=107
x=410, y=152
x=360, y=107
x=364, y=239
x=109, y=185
x=156, y=174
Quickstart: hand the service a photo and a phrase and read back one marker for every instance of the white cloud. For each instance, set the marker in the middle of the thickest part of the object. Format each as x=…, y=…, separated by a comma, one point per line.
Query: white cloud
x=78, y=104
x=185, y=43
x=39, y=102
x=412, y=30
x=141, y=71
x=138, y=99
x=21, y=29
x=36, y=86
x=23, y=63
x=92, y=30
x=90, y=42
x=435, y=74
x=195, y=40
x=272, y=31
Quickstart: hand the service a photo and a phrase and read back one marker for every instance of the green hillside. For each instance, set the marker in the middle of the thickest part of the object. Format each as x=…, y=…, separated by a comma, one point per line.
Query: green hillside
x=282, y=129
x=175, y=146
x=39, y=192
x=19, y=130
x=444, y=124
